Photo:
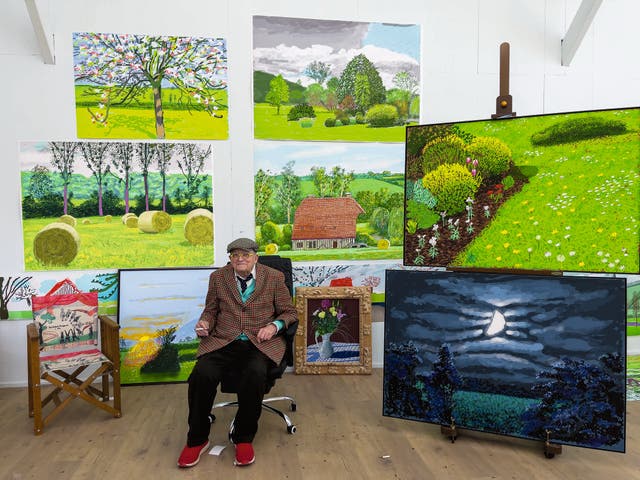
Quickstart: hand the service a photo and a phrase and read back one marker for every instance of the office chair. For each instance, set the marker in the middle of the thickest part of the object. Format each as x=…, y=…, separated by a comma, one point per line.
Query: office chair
x=229, y=383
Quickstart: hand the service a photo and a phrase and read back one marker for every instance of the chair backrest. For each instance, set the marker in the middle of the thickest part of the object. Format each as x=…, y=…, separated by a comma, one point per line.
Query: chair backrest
x=66, y=322
x=284, y=265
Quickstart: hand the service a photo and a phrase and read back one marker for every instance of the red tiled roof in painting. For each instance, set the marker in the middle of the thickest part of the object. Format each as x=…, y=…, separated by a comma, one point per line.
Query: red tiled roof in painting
x=331, y=217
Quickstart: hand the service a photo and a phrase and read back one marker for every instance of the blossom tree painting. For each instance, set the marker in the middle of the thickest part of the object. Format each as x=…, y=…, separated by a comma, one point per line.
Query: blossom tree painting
x=182, y=79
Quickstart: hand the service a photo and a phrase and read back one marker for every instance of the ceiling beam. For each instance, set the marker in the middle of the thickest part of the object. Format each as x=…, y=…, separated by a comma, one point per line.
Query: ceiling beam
x=577, y=30
x=45, y=40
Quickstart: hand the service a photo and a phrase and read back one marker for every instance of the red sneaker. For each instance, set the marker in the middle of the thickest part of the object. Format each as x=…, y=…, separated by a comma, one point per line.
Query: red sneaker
x=244, y=454
x=191, y=455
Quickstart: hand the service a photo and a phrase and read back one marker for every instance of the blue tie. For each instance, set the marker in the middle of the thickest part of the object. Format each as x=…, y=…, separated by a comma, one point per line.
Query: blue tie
x=243, y=282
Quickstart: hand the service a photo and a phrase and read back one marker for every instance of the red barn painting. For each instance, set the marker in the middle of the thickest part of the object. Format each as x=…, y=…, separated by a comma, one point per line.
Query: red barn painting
x=325, y=223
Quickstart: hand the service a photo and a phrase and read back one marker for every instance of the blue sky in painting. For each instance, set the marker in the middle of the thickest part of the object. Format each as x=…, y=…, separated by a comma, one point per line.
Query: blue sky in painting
x=398, y=38
x=356, y=157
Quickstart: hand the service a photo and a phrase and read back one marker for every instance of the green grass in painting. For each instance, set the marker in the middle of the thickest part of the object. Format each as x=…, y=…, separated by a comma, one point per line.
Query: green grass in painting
x=633, y=377
x=272, y=126
x=369, y=253
x=138, y=121
x=578, y=212
x=633, y=330
x=187, y=356
x=490, y=412
x=113, y=245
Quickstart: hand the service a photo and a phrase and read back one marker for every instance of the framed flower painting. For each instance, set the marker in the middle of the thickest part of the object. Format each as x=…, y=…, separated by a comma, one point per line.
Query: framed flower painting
x=334, y=335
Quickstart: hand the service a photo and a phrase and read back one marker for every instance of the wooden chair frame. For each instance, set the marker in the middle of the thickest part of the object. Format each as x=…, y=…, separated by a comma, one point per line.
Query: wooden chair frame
x=70, y=383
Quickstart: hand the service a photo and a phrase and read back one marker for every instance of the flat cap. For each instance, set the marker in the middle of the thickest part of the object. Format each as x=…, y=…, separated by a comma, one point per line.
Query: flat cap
x=242, y=244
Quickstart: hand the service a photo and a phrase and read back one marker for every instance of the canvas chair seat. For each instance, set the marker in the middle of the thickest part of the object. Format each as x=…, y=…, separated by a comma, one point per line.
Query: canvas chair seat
x=66, y=339
x=71, y=360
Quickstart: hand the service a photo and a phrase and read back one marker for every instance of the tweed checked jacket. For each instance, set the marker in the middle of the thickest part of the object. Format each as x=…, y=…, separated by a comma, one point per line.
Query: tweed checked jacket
x=228, y=317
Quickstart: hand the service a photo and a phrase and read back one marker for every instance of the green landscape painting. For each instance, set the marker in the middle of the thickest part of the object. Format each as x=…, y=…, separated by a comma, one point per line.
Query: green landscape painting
x=150, y=87
x=327, y=201
x=108, y=205
x=548, y=192
x=334, y=80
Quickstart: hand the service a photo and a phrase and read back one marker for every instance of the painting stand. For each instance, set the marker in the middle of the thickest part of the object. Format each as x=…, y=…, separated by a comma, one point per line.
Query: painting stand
x=551, y=449
x=504, y=102
x=450, y=431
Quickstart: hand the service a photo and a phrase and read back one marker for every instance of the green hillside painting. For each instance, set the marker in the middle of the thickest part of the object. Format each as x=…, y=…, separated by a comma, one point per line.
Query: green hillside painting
x=548, y=192
x=334, y=80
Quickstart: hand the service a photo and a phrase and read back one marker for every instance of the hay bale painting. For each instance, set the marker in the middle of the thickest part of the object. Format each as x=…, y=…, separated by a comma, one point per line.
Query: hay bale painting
x=133, y=217
x=68, y=219
x=198, y=227
x=131, y=221
x=126, y=216
x=56, y=244
x=154, y=221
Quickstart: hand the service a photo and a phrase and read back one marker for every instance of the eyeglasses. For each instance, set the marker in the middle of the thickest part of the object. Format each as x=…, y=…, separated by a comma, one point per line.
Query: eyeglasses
x=237, y=255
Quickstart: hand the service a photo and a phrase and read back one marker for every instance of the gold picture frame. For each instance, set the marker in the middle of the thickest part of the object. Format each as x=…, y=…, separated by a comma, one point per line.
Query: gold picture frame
x=340, y=316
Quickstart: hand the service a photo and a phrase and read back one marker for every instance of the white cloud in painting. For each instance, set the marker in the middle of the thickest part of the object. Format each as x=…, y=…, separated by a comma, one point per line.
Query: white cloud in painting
x=291, y=61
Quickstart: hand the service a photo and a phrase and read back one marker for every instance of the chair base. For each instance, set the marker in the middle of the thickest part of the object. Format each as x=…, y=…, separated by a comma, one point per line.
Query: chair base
x=291, y=428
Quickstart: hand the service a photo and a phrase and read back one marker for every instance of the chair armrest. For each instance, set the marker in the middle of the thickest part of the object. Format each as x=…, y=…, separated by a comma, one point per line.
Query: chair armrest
x=110, y=339
x=33, y=342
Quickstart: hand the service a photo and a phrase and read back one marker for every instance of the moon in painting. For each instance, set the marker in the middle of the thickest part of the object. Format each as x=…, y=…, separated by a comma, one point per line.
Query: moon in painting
x=497, y=324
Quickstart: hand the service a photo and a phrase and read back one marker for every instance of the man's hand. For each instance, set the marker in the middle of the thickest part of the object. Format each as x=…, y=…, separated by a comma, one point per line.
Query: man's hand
x=202, y=328
x=266, y=333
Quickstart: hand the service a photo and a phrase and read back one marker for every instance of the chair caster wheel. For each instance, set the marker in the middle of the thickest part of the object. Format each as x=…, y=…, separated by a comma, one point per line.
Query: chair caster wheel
x=291, y=429
x=549, y=454
x=293, y=407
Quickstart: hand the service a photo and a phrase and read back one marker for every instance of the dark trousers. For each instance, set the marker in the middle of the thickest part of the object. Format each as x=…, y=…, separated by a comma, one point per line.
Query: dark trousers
x=249, y=366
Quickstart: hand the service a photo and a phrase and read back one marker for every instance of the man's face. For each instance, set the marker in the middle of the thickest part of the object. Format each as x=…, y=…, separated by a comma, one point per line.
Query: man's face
x=243, y=261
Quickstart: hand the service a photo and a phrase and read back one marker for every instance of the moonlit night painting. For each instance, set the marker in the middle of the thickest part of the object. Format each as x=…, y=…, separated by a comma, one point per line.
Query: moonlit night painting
x=517, y=355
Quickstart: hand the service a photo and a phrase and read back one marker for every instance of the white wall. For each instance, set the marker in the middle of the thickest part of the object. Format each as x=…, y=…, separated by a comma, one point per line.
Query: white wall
x=460, y=70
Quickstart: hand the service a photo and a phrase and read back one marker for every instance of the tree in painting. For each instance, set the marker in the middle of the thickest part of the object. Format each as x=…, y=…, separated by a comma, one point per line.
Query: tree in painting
x=191, y=164
x=278, y=93
x=123, y=67
x=62, y=157
x=96, y=159
x=122, y=162
x=9, y=288
x=443, y=382
x=166, y=360
x=361, y=81
x=403, y=390
x=579, y=402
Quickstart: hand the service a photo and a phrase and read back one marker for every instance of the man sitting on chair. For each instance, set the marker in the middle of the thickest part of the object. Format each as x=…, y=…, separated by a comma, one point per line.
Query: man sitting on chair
x=247, y=303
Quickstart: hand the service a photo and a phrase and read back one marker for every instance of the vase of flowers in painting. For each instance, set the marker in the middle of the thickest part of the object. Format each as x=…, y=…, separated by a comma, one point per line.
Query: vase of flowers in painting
x=326, y=320
x=326, y=347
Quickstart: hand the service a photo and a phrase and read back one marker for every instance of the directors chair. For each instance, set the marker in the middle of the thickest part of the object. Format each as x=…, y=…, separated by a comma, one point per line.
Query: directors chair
x=67, y=335
x=228, y=383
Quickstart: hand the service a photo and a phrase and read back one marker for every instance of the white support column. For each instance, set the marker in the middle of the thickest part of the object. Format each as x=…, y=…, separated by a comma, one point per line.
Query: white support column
x=577, y=30
x=45, y=40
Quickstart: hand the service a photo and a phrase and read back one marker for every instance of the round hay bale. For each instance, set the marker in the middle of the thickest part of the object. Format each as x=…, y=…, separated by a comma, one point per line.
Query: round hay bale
x=68, y=219
x=127, y=215
x=154, y=221
x=56, y=244
x=131, y=221
x=86, y=221
x=271, y=249
x=198, y=227
x=108, y=219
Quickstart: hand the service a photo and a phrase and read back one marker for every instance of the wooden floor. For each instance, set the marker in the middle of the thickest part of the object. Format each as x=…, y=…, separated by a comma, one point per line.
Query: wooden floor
x=341, y=434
